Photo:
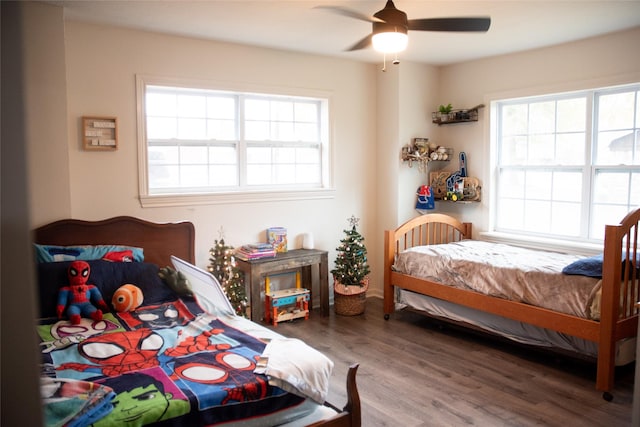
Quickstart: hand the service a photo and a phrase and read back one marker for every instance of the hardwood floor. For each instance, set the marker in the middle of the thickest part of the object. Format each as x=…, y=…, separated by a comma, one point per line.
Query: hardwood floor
x=414, y=372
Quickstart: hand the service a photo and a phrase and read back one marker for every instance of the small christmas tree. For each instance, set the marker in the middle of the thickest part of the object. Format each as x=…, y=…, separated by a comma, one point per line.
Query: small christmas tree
x=351, y=262
x=223, y=267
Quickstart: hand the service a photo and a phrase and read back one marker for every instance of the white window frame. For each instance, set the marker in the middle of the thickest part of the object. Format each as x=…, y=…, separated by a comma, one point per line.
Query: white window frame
x=240, y=194
x=546, y=241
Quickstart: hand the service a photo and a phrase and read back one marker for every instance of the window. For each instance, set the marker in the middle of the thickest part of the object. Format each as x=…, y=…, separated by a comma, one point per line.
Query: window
x=567, y=164
x=195, y=140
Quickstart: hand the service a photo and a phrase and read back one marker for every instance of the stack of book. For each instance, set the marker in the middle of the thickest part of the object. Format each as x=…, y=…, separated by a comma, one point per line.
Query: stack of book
x=255, y=251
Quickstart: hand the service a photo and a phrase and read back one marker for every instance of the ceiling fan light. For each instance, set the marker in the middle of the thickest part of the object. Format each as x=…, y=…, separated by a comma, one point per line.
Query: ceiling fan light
x=390, y=42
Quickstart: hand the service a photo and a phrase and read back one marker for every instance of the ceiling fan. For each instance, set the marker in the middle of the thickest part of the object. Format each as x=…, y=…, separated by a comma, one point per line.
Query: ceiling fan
x=390, y=26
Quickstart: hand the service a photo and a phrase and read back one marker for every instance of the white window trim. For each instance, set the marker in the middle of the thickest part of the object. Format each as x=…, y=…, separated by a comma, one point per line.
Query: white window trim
x=241, y=196
x=490, y=148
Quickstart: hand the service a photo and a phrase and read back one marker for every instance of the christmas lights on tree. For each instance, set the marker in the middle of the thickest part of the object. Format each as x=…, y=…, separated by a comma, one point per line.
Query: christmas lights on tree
x=351, y=265
x=223, y=267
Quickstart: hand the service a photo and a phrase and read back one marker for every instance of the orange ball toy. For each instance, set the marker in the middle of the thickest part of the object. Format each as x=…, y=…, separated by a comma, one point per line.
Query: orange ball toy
x=127, y=298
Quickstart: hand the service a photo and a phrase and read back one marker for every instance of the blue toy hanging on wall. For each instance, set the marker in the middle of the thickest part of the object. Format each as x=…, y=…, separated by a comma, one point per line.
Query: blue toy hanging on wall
x=425, y=198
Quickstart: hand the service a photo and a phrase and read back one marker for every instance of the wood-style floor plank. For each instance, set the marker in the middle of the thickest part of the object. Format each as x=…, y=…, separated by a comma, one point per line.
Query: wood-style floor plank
x=415, y=372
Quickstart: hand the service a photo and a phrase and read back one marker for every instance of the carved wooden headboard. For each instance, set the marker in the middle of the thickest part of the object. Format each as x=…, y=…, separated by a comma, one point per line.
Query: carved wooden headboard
x=159, y=240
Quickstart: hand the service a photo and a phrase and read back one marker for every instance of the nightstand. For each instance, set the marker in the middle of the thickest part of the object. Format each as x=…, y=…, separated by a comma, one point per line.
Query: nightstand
x=255, y=272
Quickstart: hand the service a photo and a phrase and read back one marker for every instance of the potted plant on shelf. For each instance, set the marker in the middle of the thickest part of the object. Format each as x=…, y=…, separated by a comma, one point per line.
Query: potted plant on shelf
x=445, y=111
x=351, y=273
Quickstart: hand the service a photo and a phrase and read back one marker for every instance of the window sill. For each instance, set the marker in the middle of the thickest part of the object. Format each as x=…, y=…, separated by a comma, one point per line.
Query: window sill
x=164, y=200
x=539, y=243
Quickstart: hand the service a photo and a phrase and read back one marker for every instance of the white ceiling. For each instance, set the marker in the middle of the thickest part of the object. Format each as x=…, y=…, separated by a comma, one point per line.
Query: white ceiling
x=298, y=26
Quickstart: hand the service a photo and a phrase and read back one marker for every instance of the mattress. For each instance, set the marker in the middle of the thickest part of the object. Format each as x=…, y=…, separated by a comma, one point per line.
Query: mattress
x=517, y=274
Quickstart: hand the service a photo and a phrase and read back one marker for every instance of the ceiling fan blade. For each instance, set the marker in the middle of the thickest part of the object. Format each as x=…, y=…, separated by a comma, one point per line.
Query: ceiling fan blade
x=451, y=24
x=350, y=13
x=365, y=42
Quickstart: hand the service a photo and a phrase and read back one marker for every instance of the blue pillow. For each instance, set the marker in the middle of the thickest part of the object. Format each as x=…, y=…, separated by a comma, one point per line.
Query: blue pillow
x=592, y=266
x=52, y=253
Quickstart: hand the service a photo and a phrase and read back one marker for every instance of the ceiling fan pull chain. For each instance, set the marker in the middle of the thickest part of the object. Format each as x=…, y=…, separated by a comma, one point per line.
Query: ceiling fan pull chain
x=384, y=62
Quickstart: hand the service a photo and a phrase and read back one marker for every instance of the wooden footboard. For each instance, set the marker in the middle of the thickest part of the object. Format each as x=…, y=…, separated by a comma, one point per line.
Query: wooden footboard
x=350, y=415
x=619, y=297
x=619, y=312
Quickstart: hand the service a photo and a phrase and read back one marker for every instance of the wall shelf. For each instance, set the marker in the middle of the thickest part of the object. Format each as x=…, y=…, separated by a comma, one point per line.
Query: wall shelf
x=456, y=116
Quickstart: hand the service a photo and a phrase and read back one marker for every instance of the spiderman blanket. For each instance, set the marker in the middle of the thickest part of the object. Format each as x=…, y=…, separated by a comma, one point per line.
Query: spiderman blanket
x=167, y=362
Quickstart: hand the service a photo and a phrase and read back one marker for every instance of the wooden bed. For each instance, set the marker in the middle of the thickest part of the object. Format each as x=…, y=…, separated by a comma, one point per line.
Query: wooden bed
x=617, y=320
x=160, y=241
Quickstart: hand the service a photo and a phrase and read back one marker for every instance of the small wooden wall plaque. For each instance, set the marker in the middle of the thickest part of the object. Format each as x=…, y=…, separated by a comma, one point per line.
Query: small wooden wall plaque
x=100, y=133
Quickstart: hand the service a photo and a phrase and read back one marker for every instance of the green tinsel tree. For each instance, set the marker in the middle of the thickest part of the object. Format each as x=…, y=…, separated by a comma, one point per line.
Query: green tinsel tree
x=351, y=262
x=223, y=267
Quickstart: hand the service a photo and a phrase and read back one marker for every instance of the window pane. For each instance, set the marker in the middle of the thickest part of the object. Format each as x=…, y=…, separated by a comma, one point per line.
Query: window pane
x=542, y=117
x=572, y=115
x=259, y=174
x=538, y=185
x=161, y=104
x=510, y=214
x=306, y=112
x=616, y=111
x=285, y=174
x=308, y=174
x=191, y=106
x=163, y=176
x=257, y=131
x=307, y=155
x=282, y=131
x=221, y=108
x=192, y=128
x=307, y=132
x=611, y=187
x=635, y=190
x=259, y=155
x=256, y=109
x=512, y=184
x=567, y=186
x=284, y=155
x=541, y=150
x=162, y=128
x=565, y=219
x=615, y=147
x=222, y=155
x=570, y=149
x=537, y=216
x=221, y=130
x=194, y=176
x=603, y=215
x=193, y=155
x=163, y=155
x=282, y=111
x=223, y=175
x=514, y=119
x=514, y=150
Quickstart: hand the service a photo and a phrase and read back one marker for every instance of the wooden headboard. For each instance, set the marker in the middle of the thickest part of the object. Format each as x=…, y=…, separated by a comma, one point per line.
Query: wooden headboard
x=159, y=240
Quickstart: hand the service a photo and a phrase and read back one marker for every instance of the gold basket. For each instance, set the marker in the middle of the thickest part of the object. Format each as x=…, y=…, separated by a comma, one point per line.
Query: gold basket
x=350, y=300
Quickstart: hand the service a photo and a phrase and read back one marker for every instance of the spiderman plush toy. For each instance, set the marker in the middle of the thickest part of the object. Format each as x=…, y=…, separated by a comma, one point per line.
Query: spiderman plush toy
x=79, y=297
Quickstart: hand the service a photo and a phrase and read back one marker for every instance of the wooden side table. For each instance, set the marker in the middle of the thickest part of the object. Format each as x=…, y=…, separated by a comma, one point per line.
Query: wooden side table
x=256, y=270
